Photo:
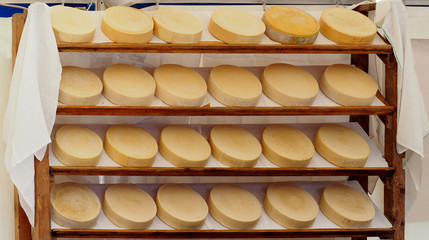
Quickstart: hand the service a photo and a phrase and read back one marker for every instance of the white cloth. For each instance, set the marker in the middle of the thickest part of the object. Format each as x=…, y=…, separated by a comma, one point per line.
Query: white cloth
x=33, y=98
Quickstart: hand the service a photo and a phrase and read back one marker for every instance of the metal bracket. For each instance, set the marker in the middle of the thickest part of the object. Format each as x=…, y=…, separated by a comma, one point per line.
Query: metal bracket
x=264, y=5
x=156, y=4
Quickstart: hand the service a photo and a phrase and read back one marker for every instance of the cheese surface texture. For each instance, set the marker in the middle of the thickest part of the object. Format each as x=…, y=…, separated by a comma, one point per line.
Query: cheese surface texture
x=234, y=146
x=290, y=205
x=181, y=207
x=290, y=25
x=74, y=205
x=177, y=26
x=236, y=26
x=286, y=146
x=75, y=145
x=289, y=85
x=128, y=206
x=345, y=26
x=130, y=146
x=341, y=146
x=127, y=25
x=347, y=207
x=234, y=207
x=72, y=25
x=128, y=85
x=177, y=85
x=184, y=147
x=348, y=85
x=234, y=86
x=79, y=87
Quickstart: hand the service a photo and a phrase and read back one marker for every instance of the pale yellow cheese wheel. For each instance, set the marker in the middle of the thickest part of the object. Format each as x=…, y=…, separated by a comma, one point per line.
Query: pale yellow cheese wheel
x=72, y=25
x=346, y=206
x=128, y=206
x=76, y=145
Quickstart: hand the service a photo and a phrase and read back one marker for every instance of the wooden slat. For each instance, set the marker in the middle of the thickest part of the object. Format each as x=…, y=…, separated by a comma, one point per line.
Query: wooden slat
x=22, y=225
x=18, y=21
x=42, y=219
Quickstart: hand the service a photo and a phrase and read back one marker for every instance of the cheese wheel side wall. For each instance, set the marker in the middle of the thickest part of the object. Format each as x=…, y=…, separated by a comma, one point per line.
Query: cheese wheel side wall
x=121, y=37
x=230, y=37
x=173, y=100
x=176, y=159
x=279, y=160
x=229, y=160
x=69, y=160
x=125, y=160
x=71, y=100
x=282, y=37
x=171, y=37
x=342, y=38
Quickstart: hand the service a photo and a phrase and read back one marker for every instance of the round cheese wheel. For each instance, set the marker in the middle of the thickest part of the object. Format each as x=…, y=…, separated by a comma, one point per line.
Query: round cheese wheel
x=286, y=146
x=79, y=87
x=128, y=85
x=347, y=207
x=234, y=207
x=72, y=25
x=234, y=146
x=75, y=145
x=348, y=85
x=74, y=205
x=341, y=146
x=234, y=86
x=127, y=25
x=184, y=147
x=290, y=205
x=289, y=85
x=128, y=206
x=345, y=26
x=290, y=25
x=236, y=26
x=179, y=86
x=177, y=26
x=181, y=207
x=130, y=146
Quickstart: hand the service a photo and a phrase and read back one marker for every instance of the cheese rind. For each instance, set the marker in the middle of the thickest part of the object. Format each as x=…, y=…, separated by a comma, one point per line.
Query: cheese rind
x=72, y=25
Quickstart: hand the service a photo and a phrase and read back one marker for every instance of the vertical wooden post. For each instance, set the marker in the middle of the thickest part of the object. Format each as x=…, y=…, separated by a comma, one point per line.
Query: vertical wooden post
x=42, y=220
x=22, y=225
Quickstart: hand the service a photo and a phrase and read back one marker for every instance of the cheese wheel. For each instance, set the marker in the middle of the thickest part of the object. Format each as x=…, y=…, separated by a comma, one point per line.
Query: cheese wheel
x=234, y=146
x=181, y=207
x=130, y=146
x=127, y=25
x=74, y=205
x=290, y=25
x=234, y=86
x=77, y=146
x=236, y=26
x=348, y=85
x=286, y=146
x=345, y=26
x=234, y=207
x=347, y=207
x=128, y=206
x=289, y=85
x=79, y=87
x=184, y=147
x=290, y=205
x=177, y=26
x=72, y=25
x=128, y=85
x=341, y=146
x=179, y=86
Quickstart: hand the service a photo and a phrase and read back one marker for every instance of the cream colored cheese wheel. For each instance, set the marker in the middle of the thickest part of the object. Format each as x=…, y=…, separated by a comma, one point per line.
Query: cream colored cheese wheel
x=290, y=25
x=234, y=207
x=341, y=146
x=179, y=86
x=290, y=205
x=130, y=146
x=79, y=87
x=345, y=26
x=286, y=146
x=348, y=85
x=236, y=26
x=128, y=206
x=289, y=85
x=74, y=205
x=234, y=86
x=347, y=207
x=184, y=147
x=128, y=85
x=234, y=146
x=127, y=25
x=72, y=25
x=181, y=207
x=177, y=26
x=75, y=145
